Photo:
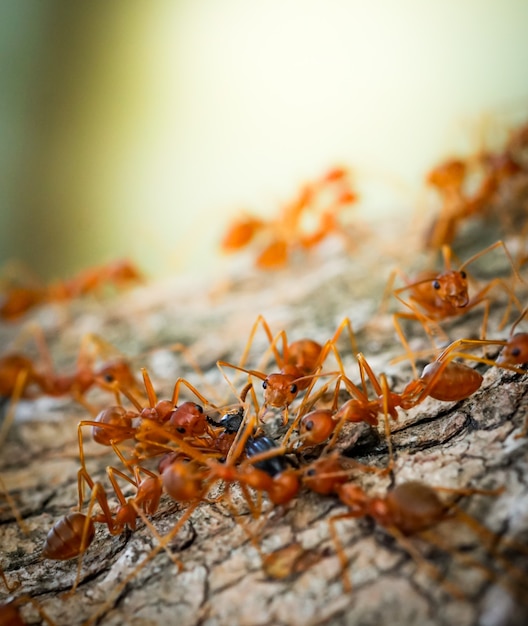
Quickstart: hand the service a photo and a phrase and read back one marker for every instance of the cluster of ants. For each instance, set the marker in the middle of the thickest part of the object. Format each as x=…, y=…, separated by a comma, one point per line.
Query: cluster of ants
x=315, y=213
x=198, y=451
x=479, y=187
x=492, y=184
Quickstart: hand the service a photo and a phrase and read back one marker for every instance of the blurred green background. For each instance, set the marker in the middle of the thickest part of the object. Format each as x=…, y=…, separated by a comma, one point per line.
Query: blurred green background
x=138, y=128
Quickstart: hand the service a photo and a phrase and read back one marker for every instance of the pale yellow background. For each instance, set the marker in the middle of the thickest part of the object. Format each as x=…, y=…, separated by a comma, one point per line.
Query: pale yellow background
x=136, y=128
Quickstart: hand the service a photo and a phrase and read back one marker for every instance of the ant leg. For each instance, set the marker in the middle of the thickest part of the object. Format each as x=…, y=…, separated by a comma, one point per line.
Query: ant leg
x=261, y=321
x=489, y=541
x=431, y=570
x=157, y=536
x=193, y=363
x=35, y=332
x=386, y=399
x=192, y=389
x=222, y=364
x=10, y=588
x=130, y=514
x=9, y=416
x=497, y=244
x=149, y=388
x=330, y=345
x=340, y=551
x=165, y=541
x=98, y=495
x=425, y=322
x=14, y=509
x=245, y=431
x=306, y=405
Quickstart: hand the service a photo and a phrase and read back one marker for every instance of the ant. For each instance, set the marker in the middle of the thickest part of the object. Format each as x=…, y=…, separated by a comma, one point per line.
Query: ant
x=452, y=178
x=300, y=364
x=19, y=374
x=437, y=296
x=413, y=509
x=71, y=535
x=324, y=198
x=17, y=300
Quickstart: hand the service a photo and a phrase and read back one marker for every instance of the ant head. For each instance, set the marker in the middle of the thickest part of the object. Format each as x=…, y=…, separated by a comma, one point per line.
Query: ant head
x=452, y=287
x=448, y=175
x=117, y=372
x=189, y=419
x=316, y=426
x=515, y=352
x=280, y=390
x=325, y=475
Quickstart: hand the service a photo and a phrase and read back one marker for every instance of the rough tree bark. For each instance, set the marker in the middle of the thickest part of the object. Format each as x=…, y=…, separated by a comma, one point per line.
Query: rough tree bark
x=468, y=443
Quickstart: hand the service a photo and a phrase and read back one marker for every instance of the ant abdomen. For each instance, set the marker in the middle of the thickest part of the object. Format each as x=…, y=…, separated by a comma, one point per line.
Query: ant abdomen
x=456, y=382
x=69, y=537
x=414, y=506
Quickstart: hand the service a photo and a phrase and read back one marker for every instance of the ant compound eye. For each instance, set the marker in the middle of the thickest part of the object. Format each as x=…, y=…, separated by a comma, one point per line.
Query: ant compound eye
x=109, y=378
x=309, y=425
x=310, y=472
x=463, y=274
x=198, y=408
x=293, y=388
x=515, y=351
x=265, y=384
x=436, y=284
x=181, y=430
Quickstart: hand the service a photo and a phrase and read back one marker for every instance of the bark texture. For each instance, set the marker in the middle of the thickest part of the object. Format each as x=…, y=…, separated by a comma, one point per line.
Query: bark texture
x=463, y=444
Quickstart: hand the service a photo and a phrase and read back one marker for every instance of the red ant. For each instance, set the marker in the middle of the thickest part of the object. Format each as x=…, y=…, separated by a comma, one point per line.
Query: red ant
x=71, y=536
x=299, y=363
x=413, y=508
x=435, y=297
x=19, y=374
x=451, y=179
x=288, y=231
x=18, y=300
x=443, y=379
